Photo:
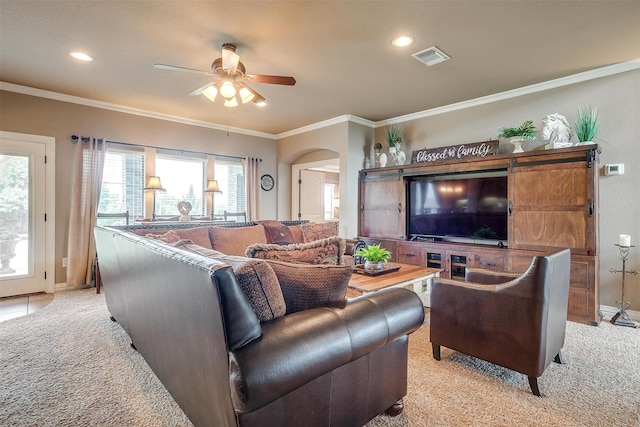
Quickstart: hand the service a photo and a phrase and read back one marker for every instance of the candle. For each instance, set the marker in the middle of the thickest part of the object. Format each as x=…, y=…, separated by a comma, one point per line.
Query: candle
x=625, y=240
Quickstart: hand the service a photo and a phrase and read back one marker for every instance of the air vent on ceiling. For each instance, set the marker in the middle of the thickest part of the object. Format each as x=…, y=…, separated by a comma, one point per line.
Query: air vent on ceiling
x=431, y=56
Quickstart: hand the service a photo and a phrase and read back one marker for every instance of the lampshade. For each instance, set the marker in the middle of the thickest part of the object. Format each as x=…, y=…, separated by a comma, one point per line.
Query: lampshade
x=234, y=93
x=227, y=89
x=154, y=184
x=231, y=102
x=211, y=93
x=246, y=94
x=212, y=186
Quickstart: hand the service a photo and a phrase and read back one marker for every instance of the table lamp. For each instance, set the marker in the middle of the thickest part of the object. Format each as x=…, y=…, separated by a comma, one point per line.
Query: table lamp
x=154, y=186
x=212, y=187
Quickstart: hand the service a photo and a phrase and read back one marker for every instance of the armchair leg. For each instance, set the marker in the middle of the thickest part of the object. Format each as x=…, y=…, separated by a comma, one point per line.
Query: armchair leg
x=533, y=383
x=436, y=350
x=558, y=359
x=395, y=409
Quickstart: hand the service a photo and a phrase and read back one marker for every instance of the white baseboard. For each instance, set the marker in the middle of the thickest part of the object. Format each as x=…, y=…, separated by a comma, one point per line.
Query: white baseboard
x=608, y=312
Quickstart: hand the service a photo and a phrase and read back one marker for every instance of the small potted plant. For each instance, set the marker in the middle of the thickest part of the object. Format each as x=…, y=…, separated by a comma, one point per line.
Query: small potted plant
x=586, y=124
x=394, y=137
x=517, y=136
x=374, y=257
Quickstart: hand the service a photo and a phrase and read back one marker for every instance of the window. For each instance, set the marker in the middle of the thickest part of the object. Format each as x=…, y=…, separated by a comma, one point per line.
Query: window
x=184, y=179
x=230, y=177
x=182, y=176
x=122, y=184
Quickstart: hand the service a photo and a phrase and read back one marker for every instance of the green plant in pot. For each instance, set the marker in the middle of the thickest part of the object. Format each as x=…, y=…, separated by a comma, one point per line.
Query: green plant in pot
x=517, y=136
x=374, y=257
x=394, y=137
x=586, y=124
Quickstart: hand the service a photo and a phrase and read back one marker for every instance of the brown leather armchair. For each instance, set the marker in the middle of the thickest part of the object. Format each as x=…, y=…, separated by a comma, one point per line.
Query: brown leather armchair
x=514, y=320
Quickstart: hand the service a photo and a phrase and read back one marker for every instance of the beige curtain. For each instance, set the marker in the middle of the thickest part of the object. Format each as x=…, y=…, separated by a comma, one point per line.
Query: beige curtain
x=85, y=195
x=251, y=168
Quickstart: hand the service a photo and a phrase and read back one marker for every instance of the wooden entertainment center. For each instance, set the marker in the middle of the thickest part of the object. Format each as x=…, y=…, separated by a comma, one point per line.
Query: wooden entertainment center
x=552, y=204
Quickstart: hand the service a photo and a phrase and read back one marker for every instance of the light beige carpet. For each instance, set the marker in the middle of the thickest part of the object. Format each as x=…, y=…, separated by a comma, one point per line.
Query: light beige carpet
x=69, y=365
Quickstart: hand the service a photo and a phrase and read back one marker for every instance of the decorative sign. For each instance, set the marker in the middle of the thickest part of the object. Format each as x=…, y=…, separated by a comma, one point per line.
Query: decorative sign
x=461, y=151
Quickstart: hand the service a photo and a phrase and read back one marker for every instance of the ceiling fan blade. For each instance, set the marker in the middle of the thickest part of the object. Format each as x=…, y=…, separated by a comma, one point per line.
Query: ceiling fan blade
x=200, y=90
x=189, y=70
x=275, y=80
x=230, y=59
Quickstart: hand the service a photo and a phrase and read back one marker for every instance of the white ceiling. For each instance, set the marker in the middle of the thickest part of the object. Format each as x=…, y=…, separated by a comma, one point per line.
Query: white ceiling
x=340, y=52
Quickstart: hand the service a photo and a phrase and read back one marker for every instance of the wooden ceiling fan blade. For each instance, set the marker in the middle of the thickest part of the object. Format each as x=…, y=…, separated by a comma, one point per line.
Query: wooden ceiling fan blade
x=176, y=68
x=275, y=80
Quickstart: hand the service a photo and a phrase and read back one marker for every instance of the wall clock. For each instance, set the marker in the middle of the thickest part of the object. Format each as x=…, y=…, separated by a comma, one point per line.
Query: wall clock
x=266, y=182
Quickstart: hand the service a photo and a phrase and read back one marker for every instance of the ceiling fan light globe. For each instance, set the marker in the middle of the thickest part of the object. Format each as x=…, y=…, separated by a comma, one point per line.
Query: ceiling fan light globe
x=227, y=89
x=211, y=92
x=246, y=95
x=231, y=102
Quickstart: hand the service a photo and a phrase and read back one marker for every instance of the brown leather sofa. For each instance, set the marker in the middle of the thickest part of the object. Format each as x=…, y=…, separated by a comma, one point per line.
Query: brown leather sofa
x=514, y=320
x=337, y=365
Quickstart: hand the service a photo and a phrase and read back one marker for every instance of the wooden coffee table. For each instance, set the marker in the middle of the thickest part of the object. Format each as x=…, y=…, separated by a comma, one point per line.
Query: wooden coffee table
x=417, y=277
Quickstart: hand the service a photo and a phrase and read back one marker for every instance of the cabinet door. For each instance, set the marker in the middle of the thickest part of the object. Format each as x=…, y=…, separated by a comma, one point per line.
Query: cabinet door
x=453, y=263
x=552, y=205
x=457, y=262
x=488, y=259
x=382, y=205
x=410, y=253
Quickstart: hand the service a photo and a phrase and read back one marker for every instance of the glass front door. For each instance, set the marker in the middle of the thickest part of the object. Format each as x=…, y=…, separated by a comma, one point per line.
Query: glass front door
x=22, y=217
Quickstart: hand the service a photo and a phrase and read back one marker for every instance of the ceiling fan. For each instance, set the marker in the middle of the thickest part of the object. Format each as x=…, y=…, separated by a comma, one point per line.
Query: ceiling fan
x=230, y=79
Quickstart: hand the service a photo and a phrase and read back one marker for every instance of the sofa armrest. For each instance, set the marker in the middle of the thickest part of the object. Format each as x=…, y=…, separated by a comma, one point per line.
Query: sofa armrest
x=300, y=347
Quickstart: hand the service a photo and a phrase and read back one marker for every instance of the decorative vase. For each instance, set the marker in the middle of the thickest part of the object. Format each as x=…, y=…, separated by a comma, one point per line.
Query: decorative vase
x=517, y=142
x=383, y=160
x=400, y=156
x=373, y=265
x=376, y=162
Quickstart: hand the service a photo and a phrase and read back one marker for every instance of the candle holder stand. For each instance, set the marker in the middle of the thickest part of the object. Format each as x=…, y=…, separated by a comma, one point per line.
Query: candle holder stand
x=621, y=318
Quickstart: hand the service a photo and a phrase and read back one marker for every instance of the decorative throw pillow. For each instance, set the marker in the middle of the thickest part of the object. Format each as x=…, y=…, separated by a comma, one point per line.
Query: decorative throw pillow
x=324, y=251
x=169, y=237
x=256, y=278
x=311, y=286
x=276, y=232
x=234, y=240
x=296, y=232
x=319, y=230
x=199, y=235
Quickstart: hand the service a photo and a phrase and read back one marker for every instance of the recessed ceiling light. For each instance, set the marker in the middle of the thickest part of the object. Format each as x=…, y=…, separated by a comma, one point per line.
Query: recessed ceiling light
x=402, y=41
x=81, y=56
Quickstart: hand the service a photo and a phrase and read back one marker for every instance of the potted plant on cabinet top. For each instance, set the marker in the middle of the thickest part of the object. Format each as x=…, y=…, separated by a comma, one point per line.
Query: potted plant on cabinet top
x=518, y=135
x=586, y=124
x=394, y=138
x=374, y=257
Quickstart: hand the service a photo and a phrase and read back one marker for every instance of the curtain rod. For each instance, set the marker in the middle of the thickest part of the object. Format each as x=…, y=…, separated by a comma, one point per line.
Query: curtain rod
x=74, y=139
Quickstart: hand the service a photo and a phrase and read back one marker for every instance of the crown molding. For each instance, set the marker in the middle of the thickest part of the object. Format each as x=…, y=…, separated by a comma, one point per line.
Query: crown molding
x=326, y=123
x=597, y=73
x=41, y=93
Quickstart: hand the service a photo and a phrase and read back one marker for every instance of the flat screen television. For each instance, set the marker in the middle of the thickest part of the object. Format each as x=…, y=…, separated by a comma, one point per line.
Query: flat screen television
x=459, y=207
